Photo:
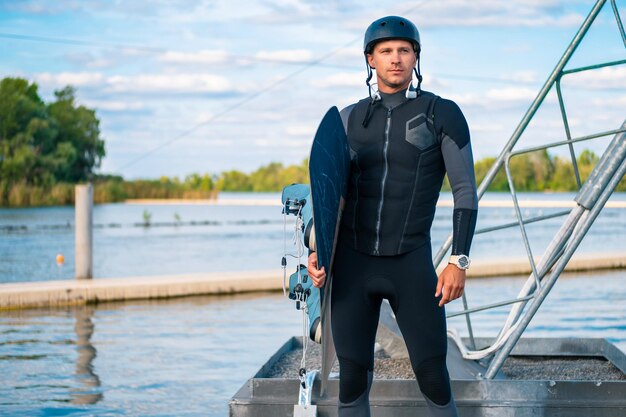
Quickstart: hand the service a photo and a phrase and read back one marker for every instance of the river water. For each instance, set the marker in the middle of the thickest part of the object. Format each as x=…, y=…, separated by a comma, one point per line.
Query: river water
x=187, y=357
x=189, y=238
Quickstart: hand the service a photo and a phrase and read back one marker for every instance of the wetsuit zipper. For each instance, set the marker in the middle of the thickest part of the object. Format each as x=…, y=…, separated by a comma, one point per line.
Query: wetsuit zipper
x=383, y=182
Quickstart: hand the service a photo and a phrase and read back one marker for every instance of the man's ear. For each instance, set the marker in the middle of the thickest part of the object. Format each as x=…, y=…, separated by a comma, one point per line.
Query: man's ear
x=370, y=61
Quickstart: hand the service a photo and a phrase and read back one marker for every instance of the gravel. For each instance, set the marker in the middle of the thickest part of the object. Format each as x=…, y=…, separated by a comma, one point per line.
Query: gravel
x=561, y=369
x=515, y=367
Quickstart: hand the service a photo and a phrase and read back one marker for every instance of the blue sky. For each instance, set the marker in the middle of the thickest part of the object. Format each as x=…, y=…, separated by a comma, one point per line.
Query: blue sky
x=184, y=86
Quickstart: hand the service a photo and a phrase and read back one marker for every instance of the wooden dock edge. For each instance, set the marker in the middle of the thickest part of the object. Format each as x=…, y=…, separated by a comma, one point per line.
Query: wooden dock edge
x=79, y=292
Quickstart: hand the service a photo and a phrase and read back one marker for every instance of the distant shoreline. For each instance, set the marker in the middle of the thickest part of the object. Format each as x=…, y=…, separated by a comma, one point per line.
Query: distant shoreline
x=275, y=203
x=247, y=198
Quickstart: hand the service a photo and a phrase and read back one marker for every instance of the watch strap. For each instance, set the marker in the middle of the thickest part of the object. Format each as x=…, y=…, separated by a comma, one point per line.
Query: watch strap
x=454, y=259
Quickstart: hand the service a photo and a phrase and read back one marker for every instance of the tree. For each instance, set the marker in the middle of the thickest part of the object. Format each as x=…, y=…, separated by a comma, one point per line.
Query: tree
x=542, y=169
x=563, y=178
x=586, y=161
x=78, y=128
x=23, y=124
x=267, y=178
x=234, y=181
x=41, y=144
x=481, y=168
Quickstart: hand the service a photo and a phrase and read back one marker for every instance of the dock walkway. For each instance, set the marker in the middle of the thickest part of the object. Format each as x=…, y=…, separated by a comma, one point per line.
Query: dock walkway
x=77, y=292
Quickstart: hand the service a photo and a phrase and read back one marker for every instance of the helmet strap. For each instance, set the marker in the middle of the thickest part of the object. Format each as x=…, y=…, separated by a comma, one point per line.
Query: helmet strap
x=373, y=95
x=415, y=88
x=373, y=92
x=418, y=74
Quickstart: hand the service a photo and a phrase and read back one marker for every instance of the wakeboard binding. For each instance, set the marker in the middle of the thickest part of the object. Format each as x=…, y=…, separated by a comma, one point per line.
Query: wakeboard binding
x=296, y=199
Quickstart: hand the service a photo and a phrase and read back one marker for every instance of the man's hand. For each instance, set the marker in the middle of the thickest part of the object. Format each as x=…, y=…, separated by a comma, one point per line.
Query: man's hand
x=317, y=275
x=451, y=284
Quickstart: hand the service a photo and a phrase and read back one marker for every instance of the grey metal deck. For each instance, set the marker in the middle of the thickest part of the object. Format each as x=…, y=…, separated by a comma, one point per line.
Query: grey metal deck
x=503, y=396
x=570, y=377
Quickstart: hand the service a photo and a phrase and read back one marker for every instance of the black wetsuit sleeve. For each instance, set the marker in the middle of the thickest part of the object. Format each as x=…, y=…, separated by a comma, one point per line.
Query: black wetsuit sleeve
x=456, y=148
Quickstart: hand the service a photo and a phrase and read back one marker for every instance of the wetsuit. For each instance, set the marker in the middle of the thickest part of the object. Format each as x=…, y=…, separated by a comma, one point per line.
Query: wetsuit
x=400, y=151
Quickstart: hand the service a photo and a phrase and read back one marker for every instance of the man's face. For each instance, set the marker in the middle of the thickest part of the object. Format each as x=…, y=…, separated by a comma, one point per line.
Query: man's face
x=393, y=61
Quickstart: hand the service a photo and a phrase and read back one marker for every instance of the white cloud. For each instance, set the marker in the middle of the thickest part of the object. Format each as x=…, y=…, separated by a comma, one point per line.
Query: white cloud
x=497, y=99
x=129, y=51
x=89, y=60
x=297, y=6
x=264, y=143
x=206, y=57
x=149, y=83
x=268, y=116
x=504, y=20
x=614, y=102
x=115, y=105
x=511, y=94
x=76, y=79
x=520, y=48
x=294, y=55
x=527, y=77
x=349, y=54
x=107, y=58
x=459, y=13
x=128, y=8
x=292, y=143
x=467, y=99
x=293, y=11
x=203, y=117
x=300, y=130
x=486, y=128
x=341, y=79
x=604, y=78
x=548, y=123
x=491, y=13
x=429, y=82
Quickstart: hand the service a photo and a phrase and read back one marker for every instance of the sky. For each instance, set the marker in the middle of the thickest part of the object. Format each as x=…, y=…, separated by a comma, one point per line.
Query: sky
x=205, y=86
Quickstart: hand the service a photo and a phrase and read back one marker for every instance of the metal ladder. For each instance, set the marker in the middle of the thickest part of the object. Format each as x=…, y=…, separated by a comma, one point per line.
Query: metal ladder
x=591, y=198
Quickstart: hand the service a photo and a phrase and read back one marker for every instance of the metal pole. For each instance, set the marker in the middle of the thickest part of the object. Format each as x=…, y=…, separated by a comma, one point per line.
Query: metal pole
x=597, y=181
x=619, y=21
x=607, y=185
x=604, y=170
x=529, y=114
x=84, y=231
x=501, y=356
x=541, y=96
x=568, y=133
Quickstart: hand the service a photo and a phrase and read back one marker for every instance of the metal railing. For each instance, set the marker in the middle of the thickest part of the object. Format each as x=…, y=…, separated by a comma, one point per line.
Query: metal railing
x=591, y=198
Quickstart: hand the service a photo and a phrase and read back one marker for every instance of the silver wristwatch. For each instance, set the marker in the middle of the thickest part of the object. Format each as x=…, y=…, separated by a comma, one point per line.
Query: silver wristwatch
x=461, y=261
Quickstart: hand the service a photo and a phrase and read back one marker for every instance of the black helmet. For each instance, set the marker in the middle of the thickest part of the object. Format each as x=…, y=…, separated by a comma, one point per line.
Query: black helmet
x=391, y=27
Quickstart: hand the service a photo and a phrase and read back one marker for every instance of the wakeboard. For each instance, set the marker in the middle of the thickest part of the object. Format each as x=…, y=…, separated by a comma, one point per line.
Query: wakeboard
x=329, y=170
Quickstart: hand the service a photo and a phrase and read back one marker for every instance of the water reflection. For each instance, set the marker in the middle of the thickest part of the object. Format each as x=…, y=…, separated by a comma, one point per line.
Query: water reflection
x=88, y=390
x=137, y=365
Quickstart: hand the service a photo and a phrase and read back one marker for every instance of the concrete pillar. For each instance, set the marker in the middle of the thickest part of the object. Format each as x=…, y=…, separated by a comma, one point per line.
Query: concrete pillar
x=84, y=231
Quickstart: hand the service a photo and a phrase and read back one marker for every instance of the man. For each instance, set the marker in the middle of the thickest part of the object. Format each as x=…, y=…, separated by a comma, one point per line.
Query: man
x=402, y=142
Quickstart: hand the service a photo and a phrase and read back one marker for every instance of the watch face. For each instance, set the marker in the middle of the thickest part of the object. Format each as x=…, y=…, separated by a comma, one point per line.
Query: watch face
x=463, y=261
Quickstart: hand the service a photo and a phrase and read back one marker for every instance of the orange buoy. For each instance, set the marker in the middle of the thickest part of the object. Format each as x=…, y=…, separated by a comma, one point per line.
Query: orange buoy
x=60, y=259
